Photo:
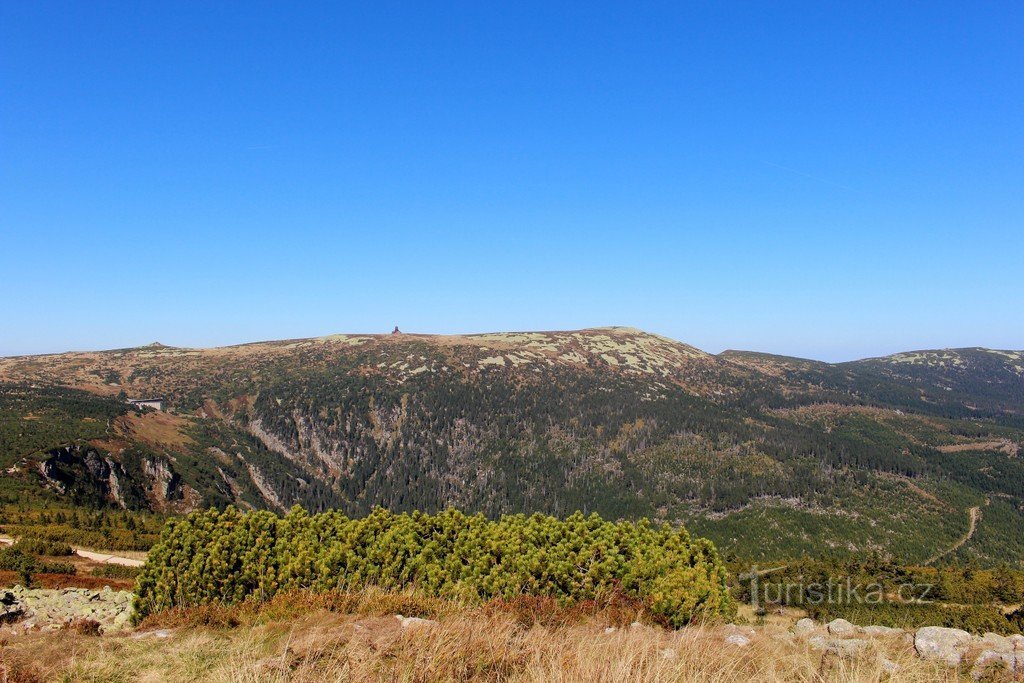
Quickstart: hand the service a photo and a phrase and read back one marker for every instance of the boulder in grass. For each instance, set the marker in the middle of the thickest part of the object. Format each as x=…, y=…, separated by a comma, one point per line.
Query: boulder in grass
x=805, y=627
x=846, y=648
x=737, y=639
x=937, y=643
x=991, y=663
x=159, y=633
x=414, y=622
x=841, y=627
x=994, y=641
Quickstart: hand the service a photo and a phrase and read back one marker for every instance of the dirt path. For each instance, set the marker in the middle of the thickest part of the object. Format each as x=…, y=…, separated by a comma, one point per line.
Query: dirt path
x=974, y=514
x=108, y=559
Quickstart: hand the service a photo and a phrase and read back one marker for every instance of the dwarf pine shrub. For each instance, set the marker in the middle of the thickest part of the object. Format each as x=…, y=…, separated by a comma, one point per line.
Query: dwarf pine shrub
x=229, y=557
x=42, y=546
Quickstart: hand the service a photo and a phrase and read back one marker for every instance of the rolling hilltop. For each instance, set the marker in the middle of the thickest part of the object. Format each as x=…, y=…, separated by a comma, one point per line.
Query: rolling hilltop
x=769, y=456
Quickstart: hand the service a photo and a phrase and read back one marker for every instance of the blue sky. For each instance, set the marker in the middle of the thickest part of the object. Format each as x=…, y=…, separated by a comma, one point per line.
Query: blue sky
x=830, y=182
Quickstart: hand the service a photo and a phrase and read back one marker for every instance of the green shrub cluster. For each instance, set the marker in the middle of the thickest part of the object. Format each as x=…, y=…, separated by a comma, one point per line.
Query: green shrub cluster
x=906, y=597
x=229, y=557
x=950, y=584
x=42, y=546
x=88, y=533
x=12, y=559
x=971, y=618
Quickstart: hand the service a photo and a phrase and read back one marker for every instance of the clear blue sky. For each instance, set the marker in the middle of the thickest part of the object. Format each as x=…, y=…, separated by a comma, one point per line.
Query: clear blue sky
x=794, y=178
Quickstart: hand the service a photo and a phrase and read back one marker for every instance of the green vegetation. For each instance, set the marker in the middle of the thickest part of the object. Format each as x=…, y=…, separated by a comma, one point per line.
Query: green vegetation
x=48, y=429
x=105, y=528
x=879, y=513
x=35, y=419
x=42, y=546
x=229, y=557
x=767, y=456
x=15, y=560
x=854, y=476
x=874, y=591
x=971, y=618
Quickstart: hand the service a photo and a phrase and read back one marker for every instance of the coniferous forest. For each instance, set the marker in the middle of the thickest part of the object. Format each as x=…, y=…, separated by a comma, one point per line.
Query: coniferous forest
x=768, y=456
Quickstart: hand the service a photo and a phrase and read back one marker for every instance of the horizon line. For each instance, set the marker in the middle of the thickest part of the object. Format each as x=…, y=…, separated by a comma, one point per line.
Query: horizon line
x=398, y=334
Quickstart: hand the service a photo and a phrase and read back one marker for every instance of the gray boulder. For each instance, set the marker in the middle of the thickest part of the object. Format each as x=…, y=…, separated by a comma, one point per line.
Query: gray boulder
x=158, y=633
x=936, y=643
x=991, y=661
x=805, y=627
x=994, y=641
x=841, y=627
x=843, y=647
x=846, y=648
x=121, y=621
x=818, y=642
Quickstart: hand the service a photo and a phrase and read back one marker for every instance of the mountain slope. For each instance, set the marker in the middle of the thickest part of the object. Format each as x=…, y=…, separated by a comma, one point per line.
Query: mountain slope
x=973, y=382
x=770, y=456
x=978, y=379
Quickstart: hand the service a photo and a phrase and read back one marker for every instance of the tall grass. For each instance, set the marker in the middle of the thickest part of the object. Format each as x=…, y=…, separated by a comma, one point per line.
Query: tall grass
x=356, y=637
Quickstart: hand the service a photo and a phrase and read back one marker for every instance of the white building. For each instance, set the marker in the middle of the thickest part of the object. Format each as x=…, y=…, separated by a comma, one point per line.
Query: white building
x=154, y=403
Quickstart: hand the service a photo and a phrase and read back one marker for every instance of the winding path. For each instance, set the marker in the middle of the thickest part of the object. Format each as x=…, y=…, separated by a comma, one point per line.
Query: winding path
x=974, y=514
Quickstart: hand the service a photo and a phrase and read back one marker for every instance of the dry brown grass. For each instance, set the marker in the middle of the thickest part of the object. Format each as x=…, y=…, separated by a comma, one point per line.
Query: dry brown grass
x=355, y=637
x=80, y=580
x=1001, y=445
x=157, y=429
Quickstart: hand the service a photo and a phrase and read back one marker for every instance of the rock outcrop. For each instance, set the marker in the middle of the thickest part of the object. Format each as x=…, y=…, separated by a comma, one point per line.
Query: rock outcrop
x=11, y=608
x=28, y=609
x=805, y=627
x=841, y=627
x=943, y=644
x=990, y=655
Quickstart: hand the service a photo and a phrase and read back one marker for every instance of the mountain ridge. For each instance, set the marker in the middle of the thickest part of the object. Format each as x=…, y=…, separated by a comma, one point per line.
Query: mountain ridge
x=762, y=453
x=1017, y=353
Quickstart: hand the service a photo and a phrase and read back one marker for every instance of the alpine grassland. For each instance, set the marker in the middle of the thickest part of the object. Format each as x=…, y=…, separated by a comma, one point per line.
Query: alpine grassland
x=230, y=557
x=302, y=642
